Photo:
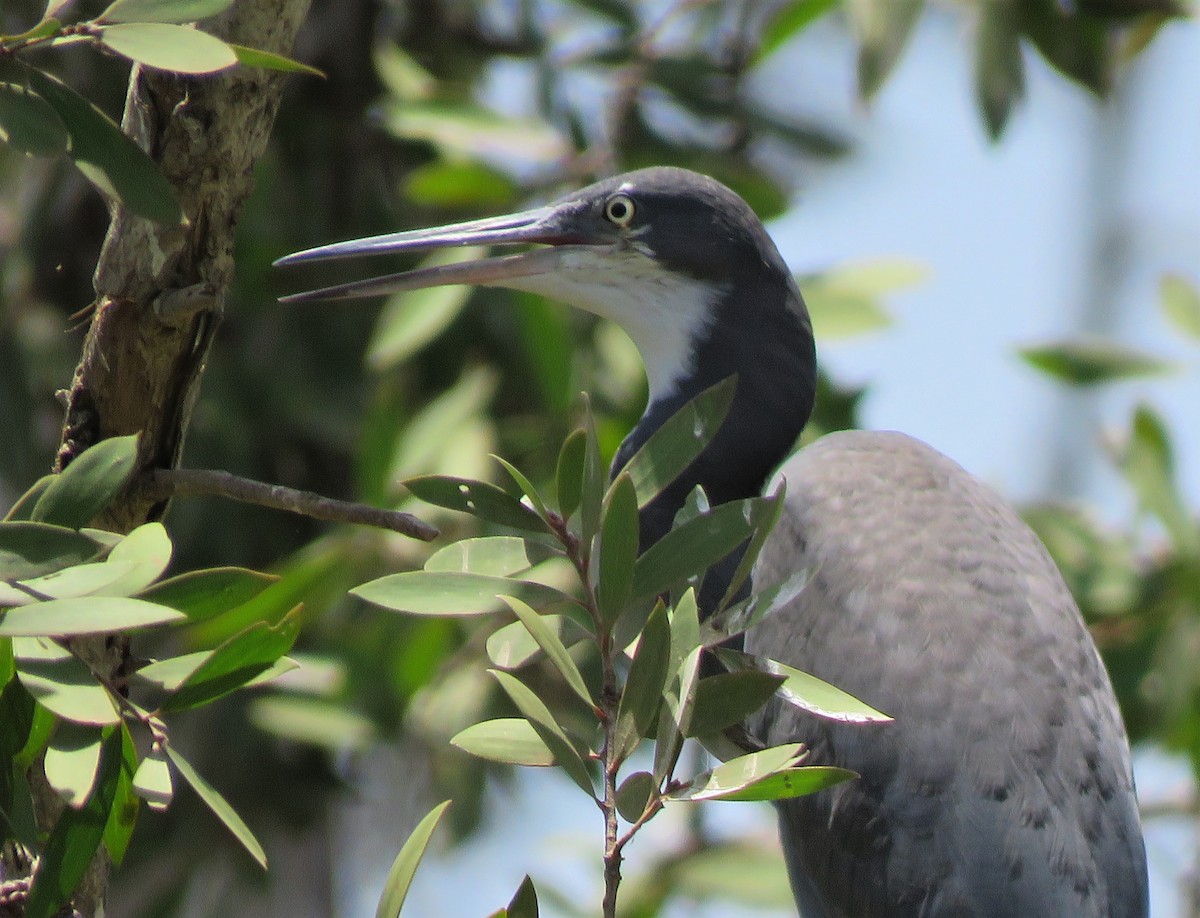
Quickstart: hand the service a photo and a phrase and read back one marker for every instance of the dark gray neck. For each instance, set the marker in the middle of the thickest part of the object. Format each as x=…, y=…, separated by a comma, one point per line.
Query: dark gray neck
x=769, y=347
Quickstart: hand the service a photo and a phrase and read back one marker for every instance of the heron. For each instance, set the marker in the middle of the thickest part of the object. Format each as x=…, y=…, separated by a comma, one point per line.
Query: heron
x=1003, y=788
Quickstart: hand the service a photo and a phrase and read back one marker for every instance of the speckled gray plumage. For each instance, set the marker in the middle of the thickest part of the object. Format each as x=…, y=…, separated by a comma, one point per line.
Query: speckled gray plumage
x=1003, y=789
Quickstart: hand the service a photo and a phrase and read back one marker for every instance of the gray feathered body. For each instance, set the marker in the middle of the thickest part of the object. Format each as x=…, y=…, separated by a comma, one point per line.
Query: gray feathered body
x=1006, y=773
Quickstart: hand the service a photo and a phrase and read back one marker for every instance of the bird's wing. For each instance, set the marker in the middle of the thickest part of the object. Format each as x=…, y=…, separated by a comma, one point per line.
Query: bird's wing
x=1003, y=787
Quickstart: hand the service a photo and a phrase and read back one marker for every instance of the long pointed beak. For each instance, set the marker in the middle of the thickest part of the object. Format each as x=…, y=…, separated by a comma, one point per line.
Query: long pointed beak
x=542, y=225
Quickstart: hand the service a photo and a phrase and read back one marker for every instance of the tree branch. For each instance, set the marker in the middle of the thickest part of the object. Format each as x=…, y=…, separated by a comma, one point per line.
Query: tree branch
x=162, y=484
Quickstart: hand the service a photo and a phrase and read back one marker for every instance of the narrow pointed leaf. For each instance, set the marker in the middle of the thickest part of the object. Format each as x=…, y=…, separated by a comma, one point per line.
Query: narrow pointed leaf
x=788, y=21
x=569, y=473
x=88, y=484
x=72, y=762
x=782, y=785
x=555, y=650
x=152, y=780
x=675, y=720
x=201, y=595
x=122, y=818
x=267, y=60
x=108, y=158
x=404, y=868
x=445, y=593
x=30, y=550
x=591, y=497
x=764, y=525
x=219, y=806
x=1147, y=462
x=492, y=556
x=999, y=67
x=673, y=447
x=738, y=774
x=524, y=903
x=22, y=510
x=167, y=46
x=805, y=691
x=509, y=740
x=512, y=646
x=74, y=839
x=1090, y=362
x=618, y=549
x=882, y=28
x=744, y=615
x=729, y=698
x=85, y=615
x=478, y=498
x=526, y=486
x=535, y=711
x=643, y=691
x=163, y=10
x=29, y=124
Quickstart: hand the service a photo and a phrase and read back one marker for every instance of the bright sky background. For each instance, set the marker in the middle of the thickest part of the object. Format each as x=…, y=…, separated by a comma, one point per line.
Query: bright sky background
x=1012, y=235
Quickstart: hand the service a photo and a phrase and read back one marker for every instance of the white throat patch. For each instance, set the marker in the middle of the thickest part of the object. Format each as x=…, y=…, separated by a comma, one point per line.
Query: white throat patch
x=662, y=312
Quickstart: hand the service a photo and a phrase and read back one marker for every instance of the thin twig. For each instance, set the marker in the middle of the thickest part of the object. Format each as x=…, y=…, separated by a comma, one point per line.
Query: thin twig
x=165, y=483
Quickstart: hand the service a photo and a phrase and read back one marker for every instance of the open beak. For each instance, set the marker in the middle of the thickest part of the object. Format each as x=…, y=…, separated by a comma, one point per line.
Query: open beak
x=544, y=225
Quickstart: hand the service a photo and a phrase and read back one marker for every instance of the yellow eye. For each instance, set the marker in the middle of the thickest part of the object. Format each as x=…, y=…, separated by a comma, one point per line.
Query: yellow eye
x=619, y=209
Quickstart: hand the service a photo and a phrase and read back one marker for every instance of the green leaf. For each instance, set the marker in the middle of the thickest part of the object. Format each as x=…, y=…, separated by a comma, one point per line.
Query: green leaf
x=122, y=818
x=72, y=762
x=591, y=495
x=509, y=740
x=738, y=774
x=1148, y=464
x=313, y=721
x=268, y=60
x=634, y=794
x=524, y=903
x=1089, y=362
x=764, y=524
x=30, y=550
x=163, y=10
x=478, y=498
x=201, y=595
x=109, y=159
x=492, y=556
x=882, y=28
x=411, y=319
x=1181, y=304
x=23, y=508
x=555, y=650
x=145, y=554
x=534, y=710
x=805, y=691
x=643, y=691
x=237, y=661
x=443, y=185
x=400, y=876
x=447, y=593
x=152, y=780
x=525, y=485
x=729, y=698
x=618, y=549
x=691, y=548
x=29, y=124
x=675, y=721
x=220, y=807
x=999, y=67
x=75, y=837
x=743, y=616
x=782, y=785
x=169, y=674
x=165, y=46
x=569, y=473
x=512, y=646
x=68, y=688
x=787, y=22
x=88, y=484
x=84, y=615
x=681, y=438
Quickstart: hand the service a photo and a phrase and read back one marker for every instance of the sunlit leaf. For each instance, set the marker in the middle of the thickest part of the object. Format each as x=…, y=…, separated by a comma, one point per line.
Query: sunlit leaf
x=447, y=593
x=74, y=839
x=201, y=595
x=512, y=646
x=30, y=550
x=268, y=60
x=88, y=484
x=68, y=689
x=85, y=615
x=509, y=740
x=1089, y=362
x=805, y=691
x=1181, y=304
x=176, y=48
x=679, y=440
x=555, y=650
x=492, y=556
x=674, y=722
x=112, y=162
x=566, y=756
x=219, y=806
x=163, y=10
x=782, y=785
x=634, y=793
x=643, y=691
x=152, y=781
x=400, y=875
x=478, y=498
x=29, y=124
x=457, y=129
x=738, y=774
x=618, y=548
x=72, y=762
x=313, y=721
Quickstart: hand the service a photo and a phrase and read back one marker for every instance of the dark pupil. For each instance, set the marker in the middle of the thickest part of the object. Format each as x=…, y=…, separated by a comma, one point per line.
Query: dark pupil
x=618, y=210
